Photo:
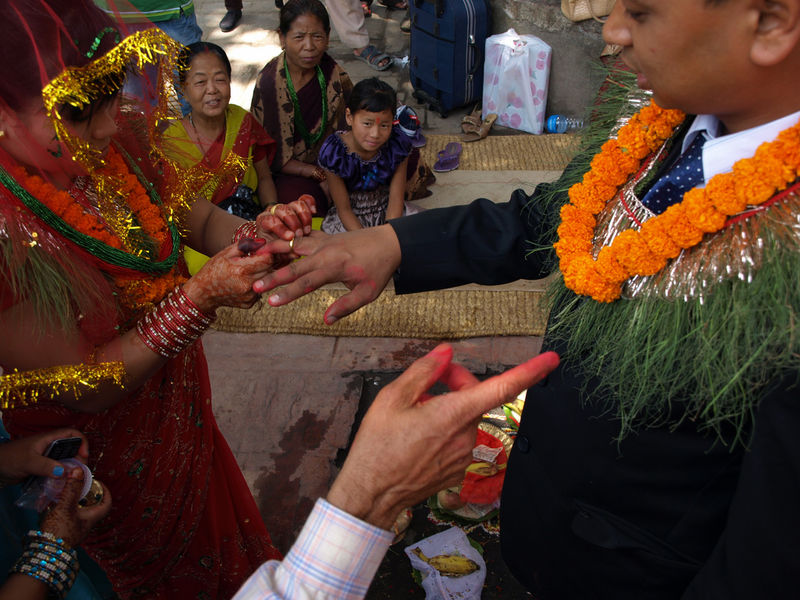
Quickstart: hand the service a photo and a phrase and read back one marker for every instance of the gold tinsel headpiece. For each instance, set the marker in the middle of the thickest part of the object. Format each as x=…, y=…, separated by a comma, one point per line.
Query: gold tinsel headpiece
x=104, y=76
x=152, y=56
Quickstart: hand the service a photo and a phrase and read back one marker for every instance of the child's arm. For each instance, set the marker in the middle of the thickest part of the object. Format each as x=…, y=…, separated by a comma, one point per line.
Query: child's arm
x=397, y=191
x=267, y=194
x=341, y=198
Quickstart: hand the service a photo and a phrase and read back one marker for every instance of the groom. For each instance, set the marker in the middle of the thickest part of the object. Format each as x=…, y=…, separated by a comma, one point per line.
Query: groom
x=662, y=458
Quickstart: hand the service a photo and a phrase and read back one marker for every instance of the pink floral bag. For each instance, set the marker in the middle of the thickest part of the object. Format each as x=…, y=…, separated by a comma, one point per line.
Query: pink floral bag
x=515, y=77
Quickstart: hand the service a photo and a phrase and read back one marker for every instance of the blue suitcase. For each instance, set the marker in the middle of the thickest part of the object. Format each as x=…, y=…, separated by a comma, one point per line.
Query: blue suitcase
x=446, y=56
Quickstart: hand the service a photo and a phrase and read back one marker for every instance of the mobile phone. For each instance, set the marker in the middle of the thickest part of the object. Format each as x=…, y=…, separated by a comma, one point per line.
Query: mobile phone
x=63, y=448
x=32, y=494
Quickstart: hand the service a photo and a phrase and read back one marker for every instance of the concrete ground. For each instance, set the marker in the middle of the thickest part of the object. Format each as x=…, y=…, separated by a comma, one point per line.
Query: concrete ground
x=289, y=404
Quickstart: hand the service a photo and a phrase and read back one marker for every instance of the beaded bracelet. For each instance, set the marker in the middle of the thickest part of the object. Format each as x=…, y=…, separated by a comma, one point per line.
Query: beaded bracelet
x=174, y=324
x=46, y=558
x=248, y=229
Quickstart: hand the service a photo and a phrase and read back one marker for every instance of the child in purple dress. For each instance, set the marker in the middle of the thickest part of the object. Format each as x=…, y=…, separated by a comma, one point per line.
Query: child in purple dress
x=366, y=165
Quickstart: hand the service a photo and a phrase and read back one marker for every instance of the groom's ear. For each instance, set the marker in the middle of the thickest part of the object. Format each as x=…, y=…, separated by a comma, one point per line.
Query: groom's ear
x=776, y=32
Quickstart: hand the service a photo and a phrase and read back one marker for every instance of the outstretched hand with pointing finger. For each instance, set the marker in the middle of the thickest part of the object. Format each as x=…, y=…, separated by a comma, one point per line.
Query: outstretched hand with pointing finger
x=412, y=444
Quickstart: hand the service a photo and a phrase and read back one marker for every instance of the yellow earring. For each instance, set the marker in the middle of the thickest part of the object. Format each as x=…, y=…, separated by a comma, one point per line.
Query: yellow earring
x=2, y=133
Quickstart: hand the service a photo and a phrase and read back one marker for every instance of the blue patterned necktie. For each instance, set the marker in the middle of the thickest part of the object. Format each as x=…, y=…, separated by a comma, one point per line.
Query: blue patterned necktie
x=683, y=176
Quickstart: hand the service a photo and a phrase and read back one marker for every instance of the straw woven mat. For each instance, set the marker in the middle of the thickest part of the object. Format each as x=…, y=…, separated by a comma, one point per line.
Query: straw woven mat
x=463, y=312
x=468, y=311
x=507, y=152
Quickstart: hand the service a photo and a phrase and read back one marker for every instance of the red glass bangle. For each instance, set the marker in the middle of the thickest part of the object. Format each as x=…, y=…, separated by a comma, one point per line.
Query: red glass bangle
x=247, y=229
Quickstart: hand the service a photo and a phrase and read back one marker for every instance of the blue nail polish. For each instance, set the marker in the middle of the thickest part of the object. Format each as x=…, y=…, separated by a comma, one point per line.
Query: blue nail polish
x=58, y=471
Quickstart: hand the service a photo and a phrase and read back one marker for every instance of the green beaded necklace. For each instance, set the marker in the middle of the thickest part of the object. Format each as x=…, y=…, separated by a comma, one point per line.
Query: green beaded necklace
x=298, y=116
x=104, y=252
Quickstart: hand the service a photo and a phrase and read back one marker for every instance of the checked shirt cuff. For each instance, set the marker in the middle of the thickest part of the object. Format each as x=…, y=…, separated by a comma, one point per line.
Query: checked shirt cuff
x=336, y=555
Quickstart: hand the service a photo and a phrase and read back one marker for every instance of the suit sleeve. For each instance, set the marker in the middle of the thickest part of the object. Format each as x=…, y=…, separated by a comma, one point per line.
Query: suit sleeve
x=758, y=554
x=481, y=242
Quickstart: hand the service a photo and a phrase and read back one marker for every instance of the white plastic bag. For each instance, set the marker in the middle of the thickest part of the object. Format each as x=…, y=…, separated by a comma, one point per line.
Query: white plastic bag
x=453, y=542
x=515, y=78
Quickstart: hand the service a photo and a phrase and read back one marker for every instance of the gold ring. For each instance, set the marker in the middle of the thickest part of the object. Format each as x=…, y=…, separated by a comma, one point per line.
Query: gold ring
x=272, y=209
x=291, y=244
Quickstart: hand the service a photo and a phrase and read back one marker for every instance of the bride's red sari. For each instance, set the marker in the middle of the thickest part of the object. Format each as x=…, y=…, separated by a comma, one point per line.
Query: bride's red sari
x=183, y=522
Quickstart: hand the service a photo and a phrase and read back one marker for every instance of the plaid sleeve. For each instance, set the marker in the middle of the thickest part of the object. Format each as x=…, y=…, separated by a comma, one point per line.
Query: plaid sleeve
x=335, y=556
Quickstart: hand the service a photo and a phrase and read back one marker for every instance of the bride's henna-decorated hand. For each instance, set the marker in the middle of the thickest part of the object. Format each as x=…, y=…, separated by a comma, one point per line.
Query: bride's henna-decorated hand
x=248, y=246
x=227, y=279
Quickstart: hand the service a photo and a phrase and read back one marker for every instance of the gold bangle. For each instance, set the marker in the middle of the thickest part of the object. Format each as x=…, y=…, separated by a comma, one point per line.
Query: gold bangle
x=319, y=174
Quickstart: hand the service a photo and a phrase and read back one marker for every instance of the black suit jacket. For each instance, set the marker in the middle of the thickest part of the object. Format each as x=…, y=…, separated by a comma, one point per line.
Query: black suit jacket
x=666, y=513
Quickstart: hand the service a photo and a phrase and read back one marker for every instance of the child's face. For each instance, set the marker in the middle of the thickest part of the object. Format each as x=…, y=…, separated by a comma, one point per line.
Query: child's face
x=693, y=55
x=371, y=130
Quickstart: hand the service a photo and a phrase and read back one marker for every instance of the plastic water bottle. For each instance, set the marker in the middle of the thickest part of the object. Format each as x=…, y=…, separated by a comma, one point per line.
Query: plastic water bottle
x=562, y=124
x=400, y=62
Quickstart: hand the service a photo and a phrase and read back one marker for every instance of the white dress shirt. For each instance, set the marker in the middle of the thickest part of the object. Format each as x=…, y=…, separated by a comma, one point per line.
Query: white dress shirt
x=721, y=151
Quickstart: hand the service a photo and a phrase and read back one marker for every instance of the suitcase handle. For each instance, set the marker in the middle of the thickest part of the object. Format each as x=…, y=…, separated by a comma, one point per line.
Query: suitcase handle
x=438, y=4
x=478, y=55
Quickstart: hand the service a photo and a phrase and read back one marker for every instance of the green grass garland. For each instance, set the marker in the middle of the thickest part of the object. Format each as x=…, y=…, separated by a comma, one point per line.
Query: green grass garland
x=659, y=362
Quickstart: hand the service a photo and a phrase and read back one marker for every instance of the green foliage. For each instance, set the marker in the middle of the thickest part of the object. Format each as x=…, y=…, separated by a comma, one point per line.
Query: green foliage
x=39, y=280
x=708, y=360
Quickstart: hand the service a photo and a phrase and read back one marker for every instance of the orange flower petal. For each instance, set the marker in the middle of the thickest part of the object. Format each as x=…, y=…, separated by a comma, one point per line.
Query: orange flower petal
x=657, y=239
x=701, y=213
x=634, y=255
x=678, y=227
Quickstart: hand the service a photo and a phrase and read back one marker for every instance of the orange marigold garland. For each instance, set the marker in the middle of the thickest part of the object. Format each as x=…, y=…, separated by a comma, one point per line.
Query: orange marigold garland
x=148, y=215
x=138, y=292
x=65, y=207
x=644, y=252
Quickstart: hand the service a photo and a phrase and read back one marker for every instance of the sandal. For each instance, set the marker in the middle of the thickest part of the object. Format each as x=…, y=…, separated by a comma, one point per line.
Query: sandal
x=419, y=183
x=394, y=4
x=365, y=6
x=482, y=131
x=471, y=122
x=374, y=57
x=448, y=158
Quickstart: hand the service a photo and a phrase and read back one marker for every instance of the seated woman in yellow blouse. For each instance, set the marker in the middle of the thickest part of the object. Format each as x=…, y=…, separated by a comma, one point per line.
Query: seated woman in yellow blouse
x=221, y=142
